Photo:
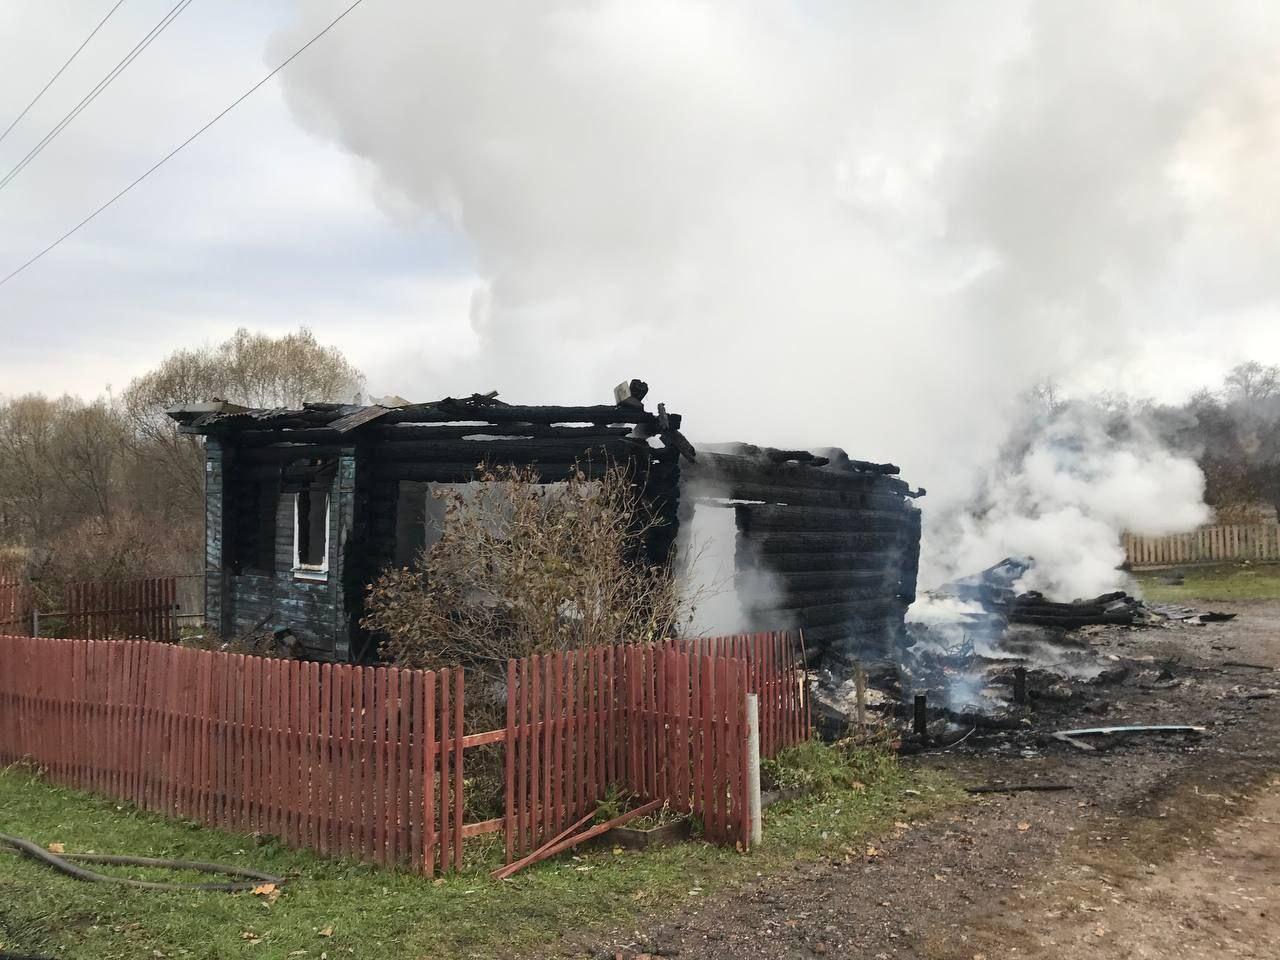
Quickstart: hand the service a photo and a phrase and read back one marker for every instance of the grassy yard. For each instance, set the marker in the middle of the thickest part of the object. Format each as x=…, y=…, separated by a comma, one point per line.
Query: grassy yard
x=1230, y=581
x=332, y=908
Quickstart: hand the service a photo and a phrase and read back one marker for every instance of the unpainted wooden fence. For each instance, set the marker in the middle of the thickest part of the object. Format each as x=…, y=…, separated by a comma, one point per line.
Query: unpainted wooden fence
x=15, y=604
x=368, y=762
x=144, y=608
x=1224, y=543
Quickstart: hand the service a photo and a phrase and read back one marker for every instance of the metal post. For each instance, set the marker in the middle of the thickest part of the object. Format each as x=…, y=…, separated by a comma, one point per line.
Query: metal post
x=35, y=621
x=753, y=768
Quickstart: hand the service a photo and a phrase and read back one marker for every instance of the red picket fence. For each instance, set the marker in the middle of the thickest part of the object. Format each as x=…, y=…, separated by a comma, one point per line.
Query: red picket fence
x=776, y=674
x=144, y=609
x=369, y=762
x=353, y=761
x=15, y=604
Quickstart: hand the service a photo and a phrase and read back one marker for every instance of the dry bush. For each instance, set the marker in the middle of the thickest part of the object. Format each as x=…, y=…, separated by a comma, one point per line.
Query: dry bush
x=522, y=568
x=121, y=547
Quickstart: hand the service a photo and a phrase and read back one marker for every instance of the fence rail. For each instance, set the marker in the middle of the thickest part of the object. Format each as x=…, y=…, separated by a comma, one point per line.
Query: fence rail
x=368, y=762
x=1216, y=544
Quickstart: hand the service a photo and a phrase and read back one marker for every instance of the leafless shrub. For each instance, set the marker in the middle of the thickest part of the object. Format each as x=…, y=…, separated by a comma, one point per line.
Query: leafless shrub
x=523, y=567
x=520, y=568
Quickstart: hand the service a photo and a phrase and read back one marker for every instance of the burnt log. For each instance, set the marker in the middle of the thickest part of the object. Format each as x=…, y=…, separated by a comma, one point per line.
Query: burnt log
x=505, y=451
x=833, y=613
x=877, y=592
x=768, y=517
x=713, y=466
x=631, y=393
x=800, y=560
x=454, y=431
x=834, y=579
x=775, y=494
x=442, y=472
x=770, y=543
x=440, y=412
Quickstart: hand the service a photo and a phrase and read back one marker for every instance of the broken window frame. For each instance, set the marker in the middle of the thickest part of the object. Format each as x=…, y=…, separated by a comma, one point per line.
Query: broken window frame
x=310, y=571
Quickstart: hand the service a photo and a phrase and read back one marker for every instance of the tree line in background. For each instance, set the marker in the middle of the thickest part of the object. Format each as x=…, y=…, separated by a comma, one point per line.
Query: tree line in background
x=108, y=488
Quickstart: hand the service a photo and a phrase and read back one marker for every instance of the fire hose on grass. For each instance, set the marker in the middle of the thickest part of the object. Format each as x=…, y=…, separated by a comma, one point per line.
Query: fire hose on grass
x=62, y=863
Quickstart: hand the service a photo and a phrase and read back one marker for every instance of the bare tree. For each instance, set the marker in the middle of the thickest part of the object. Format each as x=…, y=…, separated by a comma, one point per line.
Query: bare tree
x=110, y=488
x=1251, y=382
x=253, y=369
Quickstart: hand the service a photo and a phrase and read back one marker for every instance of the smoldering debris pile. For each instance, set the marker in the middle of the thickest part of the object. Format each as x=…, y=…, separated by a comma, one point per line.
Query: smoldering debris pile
x=980, y=656
x=996, y=590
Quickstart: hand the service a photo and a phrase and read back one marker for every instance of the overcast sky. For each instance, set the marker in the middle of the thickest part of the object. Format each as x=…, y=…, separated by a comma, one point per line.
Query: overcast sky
x=860, y=224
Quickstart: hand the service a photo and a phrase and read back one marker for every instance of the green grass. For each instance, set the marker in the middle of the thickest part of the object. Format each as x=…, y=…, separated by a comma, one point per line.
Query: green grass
x=1218, y=582
x=372, y=913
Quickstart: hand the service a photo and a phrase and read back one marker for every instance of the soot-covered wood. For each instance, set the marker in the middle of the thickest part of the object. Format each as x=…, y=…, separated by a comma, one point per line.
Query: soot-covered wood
x=827, y=544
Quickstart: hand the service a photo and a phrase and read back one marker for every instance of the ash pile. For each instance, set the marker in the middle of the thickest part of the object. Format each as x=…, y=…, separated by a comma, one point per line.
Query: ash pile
x=983, y=662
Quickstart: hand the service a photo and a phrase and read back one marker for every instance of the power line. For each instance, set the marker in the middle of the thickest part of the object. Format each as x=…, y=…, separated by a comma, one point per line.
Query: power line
x=92, y=95
x=91, y=35
x=172, y=153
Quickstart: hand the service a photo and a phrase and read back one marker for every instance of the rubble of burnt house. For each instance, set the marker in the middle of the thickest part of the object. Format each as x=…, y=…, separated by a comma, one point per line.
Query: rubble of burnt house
x=304, y=508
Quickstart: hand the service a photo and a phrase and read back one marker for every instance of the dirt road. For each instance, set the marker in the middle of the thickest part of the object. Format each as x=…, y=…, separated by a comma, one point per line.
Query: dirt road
x=1162, y=848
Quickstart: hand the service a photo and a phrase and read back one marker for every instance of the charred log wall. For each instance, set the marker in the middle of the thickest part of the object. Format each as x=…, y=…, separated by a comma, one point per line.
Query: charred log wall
x=253, y=586
x=838, y=540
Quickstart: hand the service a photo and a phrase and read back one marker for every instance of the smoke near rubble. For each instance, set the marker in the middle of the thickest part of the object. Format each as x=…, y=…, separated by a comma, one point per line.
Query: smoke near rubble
x=868, y=225
x=1071, y=480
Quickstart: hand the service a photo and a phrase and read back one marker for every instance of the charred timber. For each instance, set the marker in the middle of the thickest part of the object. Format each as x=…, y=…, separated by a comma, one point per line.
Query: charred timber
x=767, y=517
x=879, y=632
x=770, y=543
x=828, y=499
x=1071, y=621
x=801, y=560
x=452, y=431
x=873, y=592
x=716, y=467
x=833, y=613
x=839, y=460
x=442, y=413
x=506, y=451
x=548, y=471
x=834, y=579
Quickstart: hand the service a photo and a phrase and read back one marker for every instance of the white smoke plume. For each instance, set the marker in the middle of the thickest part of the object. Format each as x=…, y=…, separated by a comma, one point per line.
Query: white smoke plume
x=1079, y=478
x=864, y=225
x=723, y=587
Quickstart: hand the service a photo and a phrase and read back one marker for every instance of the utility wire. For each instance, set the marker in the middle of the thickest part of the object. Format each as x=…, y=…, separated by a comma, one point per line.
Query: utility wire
x=172, y=153
x=92, y=95
x=60, y=69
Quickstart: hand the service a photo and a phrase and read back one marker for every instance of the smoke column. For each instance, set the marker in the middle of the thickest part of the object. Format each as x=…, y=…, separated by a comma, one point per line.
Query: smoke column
x=864, y=225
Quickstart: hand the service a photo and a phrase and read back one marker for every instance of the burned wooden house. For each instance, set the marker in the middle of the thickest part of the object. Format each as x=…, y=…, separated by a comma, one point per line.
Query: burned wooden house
x=825, y=543
x=303, y=509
